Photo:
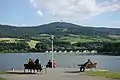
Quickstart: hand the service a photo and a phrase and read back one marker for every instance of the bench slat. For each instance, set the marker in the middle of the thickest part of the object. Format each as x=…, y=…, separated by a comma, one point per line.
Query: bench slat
x=91, y=65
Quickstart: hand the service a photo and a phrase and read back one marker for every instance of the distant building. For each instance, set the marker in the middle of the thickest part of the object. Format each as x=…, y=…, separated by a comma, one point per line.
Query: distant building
x=93, y=51
x=46, y=51
x=71, y=51
x=60, y=51
x=77, y=51
x=65, y=51
x=55, y=51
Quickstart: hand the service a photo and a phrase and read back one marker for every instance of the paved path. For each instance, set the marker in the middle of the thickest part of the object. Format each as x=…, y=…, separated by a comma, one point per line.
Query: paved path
x=52, y=74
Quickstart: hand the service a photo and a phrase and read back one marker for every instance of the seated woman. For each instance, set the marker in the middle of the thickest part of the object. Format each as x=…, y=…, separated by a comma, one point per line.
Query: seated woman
x=30, y=61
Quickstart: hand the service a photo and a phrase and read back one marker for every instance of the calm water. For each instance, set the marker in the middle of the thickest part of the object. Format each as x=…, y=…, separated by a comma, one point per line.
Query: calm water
x=8, y=61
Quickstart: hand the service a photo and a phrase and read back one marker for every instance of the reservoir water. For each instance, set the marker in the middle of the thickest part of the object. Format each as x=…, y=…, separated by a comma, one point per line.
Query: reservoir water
x=16, y=60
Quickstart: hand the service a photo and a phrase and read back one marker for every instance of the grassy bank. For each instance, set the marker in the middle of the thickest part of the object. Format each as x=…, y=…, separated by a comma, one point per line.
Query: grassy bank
x=2, y=72
x=2, y=78
x=105, y=74
x=31, y=43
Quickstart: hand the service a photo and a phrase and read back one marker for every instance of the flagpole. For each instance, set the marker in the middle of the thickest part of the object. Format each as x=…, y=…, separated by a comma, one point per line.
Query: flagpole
x=52, y=54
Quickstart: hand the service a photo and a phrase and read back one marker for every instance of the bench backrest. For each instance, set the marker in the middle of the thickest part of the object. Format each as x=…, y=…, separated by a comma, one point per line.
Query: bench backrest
x=32, y=66
x=91, y=65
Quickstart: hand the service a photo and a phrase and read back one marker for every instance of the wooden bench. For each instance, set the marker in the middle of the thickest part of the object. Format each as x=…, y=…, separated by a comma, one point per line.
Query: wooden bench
x=33, y=67
x=90, y=66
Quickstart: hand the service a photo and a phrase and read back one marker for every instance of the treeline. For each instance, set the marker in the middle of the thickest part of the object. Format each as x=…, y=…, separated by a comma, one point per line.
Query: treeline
x=110, y=49
x=14, y=47
x=106, y=48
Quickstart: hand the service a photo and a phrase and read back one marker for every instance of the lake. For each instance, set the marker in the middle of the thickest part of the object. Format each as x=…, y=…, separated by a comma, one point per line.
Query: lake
x=16, y=60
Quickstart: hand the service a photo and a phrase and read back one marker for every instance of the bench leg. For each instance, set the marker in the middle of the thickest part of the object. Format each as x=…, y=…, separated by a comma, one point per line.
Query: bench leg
x=90, y=69
x=24, y=70
x=46, y=70
x=28, y=70
x=42, y=70
x=31, y=70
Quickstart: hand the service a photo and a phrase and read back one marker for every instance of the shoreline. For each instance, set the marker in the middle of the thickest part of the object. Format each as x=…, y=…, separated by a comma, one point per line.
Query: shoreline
x=61, y=73
x=58, y=53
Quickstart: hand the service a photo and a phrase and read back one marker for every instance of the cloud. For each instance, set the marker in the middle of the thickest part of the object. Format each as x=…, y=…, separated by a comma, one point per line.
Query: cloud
x=110, y=6
x=33, y=3
x=40, y=13
x=75, y=8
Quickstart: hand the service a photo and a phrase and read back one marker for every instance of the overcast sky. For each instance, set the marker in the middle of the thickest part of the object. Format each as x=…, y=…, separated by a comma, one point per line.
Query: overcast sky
x=97, y=13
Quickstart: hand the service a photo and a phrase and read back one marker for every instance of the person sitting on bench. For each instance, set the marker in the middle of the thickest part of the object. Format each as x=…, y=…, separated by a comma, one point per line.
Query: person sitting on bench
x=30, y=61
x=37, y=62
x=49, y=64
x=82, y=68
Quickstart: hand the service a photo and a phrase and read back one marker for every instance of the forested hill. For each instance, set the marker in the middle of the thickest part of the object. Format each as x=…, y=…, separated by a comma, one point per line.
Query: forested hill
x=56, y=28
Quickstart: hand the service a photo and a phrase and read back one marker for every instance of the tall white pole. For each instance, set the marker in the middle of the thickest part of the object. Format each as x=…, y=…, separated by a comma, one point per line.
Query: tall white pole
x=52, y=54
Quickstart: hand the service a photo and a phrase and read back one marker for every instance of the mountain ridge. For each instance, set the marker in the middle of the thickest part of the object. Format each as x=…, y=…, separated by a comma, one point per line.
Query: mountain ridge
x=56, y=28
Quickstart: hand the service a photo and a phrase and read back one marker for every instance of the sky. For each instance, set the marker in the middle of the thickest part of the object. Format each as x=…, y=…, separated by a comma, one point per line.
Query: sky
x=96, y=13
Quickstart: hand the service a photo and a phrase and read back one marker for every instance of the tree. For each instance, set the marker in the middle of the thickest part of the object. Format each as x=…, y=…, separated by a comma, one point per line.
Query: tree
x=41, y=47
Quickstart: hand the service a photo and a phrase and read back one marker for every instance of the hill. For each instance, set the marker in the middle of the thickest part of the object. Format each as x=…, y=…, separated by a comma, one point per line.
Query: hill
x=56, y=28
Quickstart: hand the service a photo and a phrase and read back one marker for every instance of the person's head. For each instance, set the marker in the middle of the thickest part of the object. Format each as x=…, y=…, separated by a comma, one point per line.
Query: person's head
x=30, y=59
x=53, y=60
x=88, y=60
x=37, y=59
x=49, y=60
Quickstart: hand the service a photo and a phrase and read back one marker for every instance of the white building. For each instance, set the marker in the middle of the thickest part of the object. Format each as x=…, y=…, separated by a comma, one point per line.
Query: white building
x=77, y=51
x=71, y=51
x=46, y=51
x=65, y=51
x=60, y=51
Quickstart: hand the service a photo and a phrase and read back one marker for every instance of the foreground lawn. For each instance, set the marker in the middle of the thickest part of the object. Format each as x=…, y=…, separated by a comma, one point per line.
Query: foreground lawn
x=3, y=72
x=2, y=78
x=106, y=74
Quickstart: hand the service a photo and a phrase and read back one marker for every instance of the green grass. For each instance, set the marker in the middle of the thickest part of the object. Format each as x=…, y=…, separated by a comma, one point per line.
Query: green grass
x=32, y=43
x=72, y=38
x=3, y=72
x=105, y=74
x=82, y=39
x=10, y=40
x=2, y=78
x=75, y=39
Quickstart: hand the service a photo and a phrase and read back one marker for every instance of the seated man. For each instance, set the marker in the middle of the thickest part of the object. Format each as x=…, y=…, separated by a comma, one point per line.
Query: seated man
x=36, y=61
x=49, y=64
x=82, y=68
